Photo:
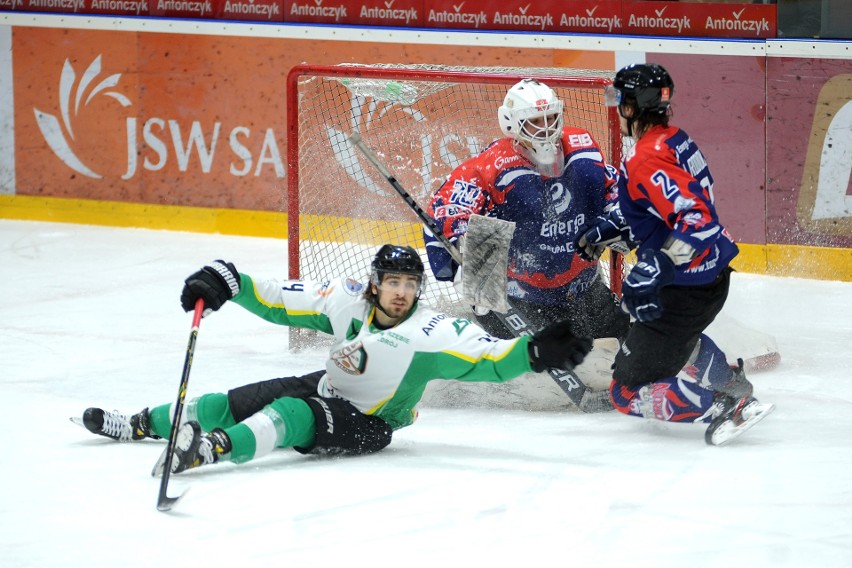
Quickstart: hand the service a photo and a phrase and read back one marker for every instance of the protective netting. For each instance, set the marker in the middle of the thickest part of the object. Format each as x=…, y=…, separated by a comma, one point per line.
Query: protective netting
x=422, y=121
x=407, y=92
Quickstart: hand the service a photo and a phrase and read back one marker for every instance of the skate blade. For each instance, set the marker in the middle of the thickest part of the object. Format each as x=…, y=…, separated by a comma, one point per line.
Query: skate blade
x=183, y=441
x=78, y=421
x=728, y=431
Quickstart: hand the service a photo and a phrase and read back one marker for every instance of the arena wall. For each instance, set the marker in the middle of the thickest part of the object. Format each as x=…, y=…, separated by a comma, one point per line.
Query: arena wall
x=181, y=125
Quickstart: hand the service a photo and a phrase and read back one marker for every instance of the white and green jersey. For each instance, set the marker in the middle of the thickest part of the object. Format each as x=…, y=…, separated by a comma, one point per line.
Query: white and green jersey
x=384, y=372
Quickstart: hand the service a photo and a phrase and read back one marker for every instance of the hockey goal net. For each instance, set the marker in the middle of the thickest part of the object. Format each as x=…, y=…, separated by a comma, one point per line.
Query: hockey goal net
x=422, y=121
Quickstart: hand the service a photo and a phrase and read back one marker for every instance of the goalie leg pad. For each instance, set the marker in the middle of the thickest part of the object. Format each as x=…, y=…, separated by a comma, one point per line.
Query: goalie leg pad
x=343, y=430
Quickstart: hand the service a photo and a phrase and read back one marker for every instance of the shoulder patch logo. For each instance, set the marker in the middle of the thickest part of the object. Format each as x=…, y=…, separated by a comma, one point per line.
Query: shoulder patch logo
x=465, y=193
x=353, y=287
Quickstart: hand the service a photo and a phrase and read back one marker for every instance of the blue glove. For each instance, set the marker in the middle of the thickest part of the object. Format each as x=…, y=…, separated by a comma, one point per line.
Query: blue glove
x=640, y=292
x=605, y=230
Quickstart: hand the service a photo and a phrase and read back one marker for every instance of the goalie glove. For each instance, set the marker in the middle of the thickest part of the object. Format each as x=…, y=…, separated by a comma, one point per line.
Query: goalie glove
x=556, y=347
x=640, y=293
x=608, y=230
x=215, y=284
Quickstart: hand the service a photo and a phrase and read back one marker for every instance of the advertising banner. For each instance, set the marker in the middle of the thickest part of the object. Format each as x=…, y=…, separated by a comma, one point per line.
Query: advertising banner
x=809, y=151
x=486, y=15
x=129, y=116
x=125, y=116
x=719, y=101
x=638, y=17
x=132, y=117
x=635, y=17
x=750, y=21
x=402, y=13
x=254, y=10
x=118, y=7
x=204, y=9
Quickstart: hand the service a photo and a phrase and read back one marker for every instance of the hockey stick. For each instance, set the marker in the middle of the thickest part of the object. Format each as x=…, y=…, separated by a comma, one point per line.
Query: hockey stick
x=355, y=140
x=585, y=399
x=164, y=502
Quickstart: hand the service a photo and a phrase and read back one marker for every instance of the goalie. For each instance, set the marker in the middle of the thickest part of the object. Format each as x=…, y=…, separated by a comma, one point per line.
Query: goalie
x=388, y=347
x=550, y=180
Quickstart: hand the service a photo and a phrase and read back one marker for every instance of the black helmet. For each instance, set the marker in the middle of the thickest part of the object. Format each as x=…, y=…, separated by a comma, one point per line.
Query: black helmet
x=396, y=259
x=647, y=85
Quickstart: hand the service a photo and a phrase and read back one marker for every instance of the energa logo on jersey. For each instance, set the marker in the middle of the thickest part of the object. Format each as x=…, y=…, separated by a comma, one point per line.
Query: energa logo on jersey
x=89, y=132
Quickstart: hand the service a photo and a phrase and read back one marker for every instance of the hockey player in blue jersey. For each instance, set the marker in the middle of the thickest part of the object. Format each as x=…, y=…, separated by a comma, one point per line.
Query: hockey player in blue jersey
x=680, y=284
x=550, y=180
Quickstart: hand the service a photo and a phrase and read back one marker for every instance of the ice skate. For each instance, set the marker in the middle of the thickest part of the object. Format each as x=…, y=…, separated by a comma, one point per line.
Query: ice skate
x=193, y=449
x=738, y=386
x=736, y=416
x=115, y=426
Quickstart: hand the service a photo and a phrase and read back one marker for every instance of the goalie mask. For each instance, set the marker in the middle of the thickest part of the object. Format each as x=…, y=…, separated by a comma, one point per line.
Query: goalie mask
x=531, y=115
x=394, y=259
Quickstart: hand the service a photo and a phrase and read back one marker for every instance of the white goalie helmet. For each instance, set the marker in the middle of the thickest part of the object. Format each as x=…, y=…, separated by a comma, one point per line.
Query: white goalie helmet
x=531, y=114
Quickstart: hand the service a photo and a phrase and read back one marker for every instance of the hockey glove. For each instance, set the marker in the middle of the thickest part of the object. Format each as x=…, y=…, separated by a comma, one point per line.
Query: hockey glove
x=215, y=284
x=606, y=230
x=555, y=347
x=640, y=293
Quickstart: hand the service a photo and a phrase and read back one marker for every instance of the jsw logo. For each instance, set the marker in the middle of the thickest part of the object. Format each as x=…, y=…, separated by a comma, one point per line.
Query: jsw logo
x=58, y=134
x=163, y=138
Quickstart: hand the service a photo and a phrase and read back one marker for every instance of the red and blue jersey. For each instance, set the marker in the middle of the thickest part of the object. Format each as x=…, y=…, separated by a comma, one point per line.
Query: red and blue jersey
x=665, y=189
x=548, y=213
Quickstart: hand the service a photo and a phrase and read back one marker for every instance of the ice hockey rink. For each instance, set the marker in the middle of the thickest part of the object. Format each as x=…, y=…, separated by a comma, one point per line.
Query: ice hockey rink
x=90, y=317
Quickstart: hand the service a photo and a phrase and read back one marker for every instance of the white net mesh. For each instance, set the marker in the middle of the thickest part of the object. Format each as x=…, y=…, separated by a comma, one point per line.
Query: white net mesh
x=422, y=121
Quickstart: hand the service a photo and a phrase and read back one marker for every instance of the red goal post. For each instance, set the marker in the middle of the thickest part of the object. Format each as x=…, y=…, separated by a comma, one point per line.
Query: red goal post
x=422, y=121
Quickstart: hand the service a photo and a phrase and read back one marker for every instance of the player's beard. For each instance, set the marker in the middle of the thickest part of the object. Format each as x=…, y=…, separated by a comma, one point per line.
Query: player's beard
x=396, y=307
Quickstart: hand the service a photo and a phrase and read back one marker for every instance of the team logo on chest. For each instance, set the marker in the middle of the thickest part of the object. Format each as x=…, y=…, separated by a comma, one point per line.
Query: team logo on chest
x=351, y=358
x=561, y=197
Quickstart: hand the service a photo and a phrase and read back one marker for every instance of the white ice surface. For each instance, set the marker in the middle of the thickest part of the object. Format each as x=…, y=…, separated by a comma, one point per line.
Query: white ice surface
x=89, y=316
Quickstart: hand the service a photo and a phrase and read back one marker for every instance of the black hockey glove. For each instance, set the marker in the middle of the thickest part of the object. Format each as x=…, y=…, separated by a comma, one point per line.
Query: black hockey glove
x=640, y=293
x=215, y=284
x=555, y=347
x=606, y=230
